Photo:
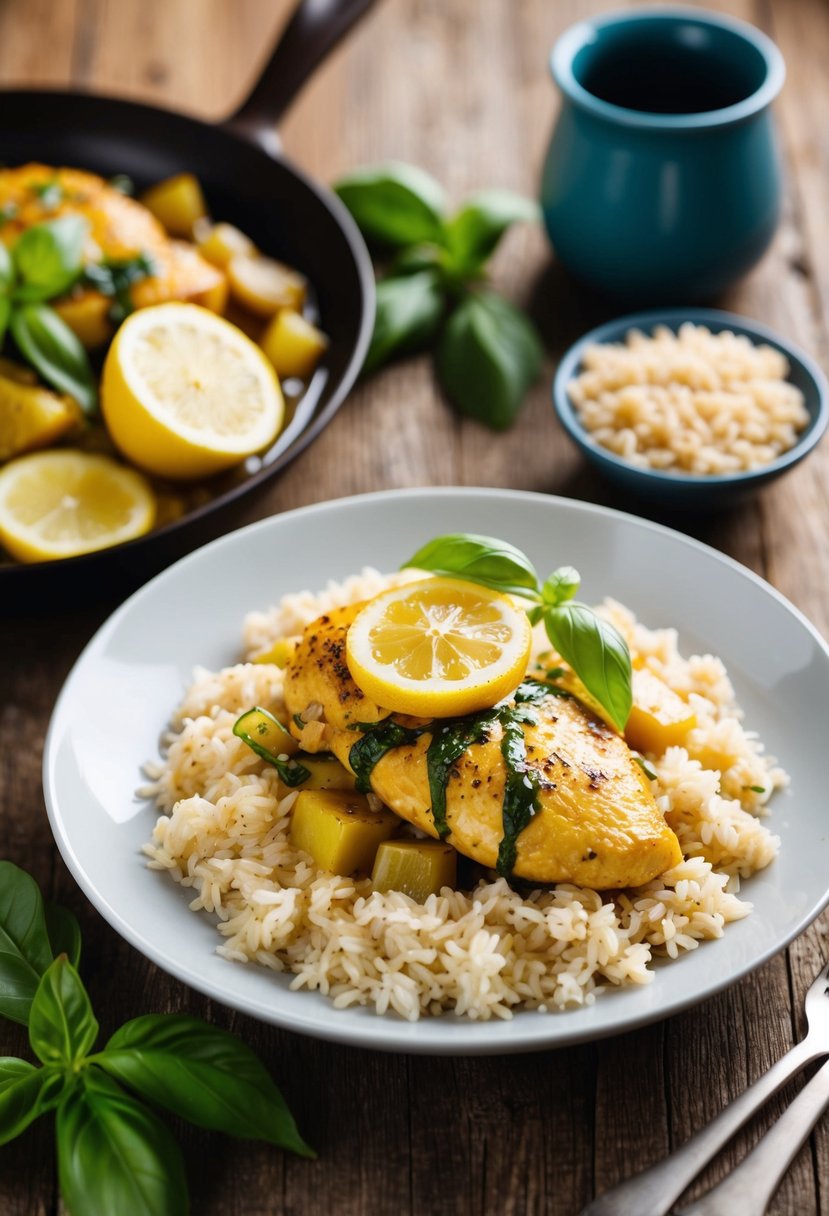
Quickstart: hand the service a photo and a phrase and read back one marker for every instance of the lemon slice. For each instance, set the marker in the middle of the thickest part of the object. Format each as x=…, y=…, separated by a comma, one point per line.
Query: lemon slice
x=438, y=648
x=61, y=504
x=186, y=394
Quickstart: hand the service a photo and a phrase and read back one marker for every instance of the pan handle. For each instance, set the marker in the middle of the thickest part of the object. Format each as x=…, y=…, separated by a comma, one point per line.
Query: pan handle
x=314, y=29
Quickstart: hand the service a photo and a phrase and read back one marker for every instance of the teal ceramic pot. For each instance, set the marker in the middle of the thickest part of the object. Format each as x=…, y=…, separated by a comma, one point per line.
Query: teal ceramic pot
x=662, y=182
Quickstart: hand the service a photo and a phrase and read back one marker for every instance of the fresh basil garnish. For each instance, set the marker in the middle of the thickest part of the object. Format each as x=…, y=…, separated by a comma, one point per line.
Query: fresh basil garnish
x=53, y=349
x=48, y=258
x=479, y=559
x=115, y=277
x=394, y=204
x=203, y=1075
x=487, y=359
x=114, y=1154
x=408, y=313
x=474, y=232
x=487, y=353
x=592, y=646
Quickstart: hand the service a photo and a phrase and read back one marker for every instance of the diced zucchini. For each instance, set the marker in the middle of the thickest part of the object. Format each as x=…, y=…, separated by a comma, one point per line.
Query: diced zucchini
x=263, y=732
x=339, y=829
x=659, y=718
x=326, y=773
x=280, y=653
x=418, y=868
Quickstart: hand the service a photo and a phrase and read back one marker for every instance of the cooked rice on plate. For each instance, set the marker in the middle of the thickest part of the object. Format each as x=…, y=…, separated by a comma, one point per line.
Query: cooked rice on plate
x=483, y=953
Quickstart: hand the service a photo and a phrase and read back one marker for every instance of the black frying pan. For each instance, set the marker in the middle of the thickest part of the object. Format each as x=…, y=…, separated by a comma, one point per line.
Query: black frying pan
x=248, y=182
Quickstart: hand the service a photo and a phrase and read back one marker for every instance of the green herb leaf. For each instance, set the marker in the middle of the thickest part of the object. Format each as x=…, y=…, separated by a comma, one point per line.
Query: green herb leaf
x=48, y=258
x=409, y=311
x=25, y=1093
x=62, y=1026
x=5, y=316
x=24, y=944
x=597, y=652
x=487, y=358
x=115, y=277
x=479, y=559
x=414, y=259
x=291, y=773
x=123, y=183
x=50, y=346
x=6, y=268
x=115, y=1158
x=64, y=932
x=473, y=233
x=394, y=204
x=561, y=586
x=646, y=768
x=50, y=193
x=203, y=1075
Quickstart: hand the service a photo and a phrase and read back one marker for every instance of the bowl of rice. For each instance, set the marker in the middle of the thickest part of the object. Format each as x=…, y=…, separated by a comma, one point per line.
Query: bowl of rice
x=693, y=408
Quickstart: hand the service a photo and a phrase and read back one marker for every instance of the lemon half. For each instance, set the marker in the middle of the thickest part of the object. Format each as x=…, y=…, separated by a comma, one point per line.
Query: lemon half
x=438, y=648
x=64, y=503
x=186, y=394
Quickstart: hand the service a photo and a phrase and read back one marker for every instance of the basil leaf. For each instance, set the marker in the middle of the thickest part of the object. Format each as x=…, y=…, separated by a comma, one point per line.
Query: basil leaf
x=115, y=1157
x=394, y=204
x=479, y=559
x=50, y=346
x=6, y=268
x=62, y=1026
x=414, y=259
x=409, y=311
x=5, y=314
x=597, y=652
x=561, y=586
x=64, y=932
x=48, y=257
x=24, y=944
x=25, y=1093
x=115, y=277
x=473, y=233
x=487, y=358
x=203, y=1075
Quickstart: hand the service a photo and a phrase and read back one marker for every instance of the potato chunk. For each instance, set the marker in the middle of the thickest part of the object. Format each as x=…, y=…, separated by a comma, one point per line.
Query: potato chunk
x=263, y=285
x=418, y=868
x=221, y=242
x=659, y=718
x=177, y=203
x=293, y=345
x=339, y=829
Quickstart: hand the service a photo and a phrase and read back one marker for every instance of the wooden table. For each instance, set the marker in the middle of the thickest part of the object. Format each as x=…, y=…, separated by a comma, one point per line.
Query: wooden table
x=460, y=87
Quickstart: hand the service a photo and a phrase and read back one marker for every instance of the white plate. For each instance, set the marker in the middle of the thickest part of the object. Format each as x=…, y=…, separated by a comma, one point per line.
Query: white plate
x=121, y=691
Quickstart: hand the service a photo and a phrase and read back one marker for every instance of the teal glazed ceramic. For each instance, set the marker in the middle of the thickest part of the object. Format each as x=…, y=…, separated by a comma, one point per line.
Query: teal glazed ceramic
x=662, y=182
x=684, y=490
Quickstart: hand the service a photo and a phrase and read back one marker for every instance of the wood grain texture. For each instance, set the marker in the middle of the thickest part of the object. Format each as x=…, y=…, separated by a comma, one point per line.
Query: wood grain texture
x=460, y=87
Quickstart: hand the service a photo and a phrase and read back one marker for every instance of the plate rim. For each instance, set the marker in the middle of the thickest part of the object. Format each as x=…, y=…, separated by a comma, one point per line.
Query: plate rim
x=403, y=1037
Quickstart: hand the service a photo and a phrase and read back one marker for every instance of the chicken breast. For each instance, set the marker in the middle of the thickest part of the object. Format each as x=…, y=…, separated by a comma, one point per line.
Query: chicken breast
x=565, y=802
x=119, y=227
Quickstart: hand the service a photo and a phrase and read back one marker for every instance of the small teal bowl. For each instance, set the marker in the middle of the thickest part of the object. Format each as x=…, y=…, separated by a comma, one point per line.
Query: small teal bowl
x=683, y=490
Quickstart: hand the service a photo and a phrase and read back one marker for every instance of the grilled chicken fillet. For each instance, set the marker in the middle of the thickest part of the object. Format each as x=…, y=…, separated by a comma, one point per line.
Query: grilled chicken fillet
x=597, y=823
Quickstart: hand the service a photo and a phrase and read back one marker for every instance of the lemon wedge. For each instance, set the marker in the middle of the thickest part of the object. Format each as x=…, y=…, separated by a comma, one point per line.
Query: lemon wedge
x=438, y=648
x=63, y=503
x=186, y=394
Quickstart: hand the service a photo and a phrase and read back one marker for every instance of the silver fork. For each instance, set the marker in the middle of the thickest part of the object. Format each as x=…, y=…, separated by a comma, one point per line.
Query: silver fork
x=652, y=1192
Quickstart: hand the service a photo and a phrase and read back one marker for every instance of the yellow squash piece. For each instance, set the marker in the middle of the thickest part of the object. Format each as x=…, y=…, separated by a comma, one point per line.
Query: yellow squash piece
x=659, y=718
x=339, y=830
x=264, y=732
x=293, y=345
x=263, y=285
x=221, y=242
x=418, y=868
x=87, y=315
x=32, y=417
x=279, y=654
x=326, y=773
x=597, y=822
x=177, y=203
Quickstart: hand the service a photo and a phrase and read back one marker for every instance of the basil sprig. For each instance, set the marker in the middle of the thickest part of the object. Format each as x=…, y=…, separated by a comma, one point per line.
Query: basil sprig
x=487, y=351
x=45, y=262
x=592, y=646
x=114, y=1153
